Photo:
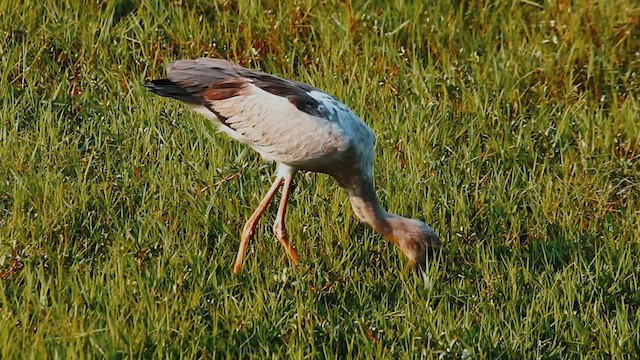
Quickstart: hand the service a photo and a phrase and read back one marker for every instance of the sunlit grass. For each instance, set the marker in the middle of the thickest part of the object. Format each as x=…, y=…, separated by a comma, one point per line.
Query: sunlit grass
x=511, y=127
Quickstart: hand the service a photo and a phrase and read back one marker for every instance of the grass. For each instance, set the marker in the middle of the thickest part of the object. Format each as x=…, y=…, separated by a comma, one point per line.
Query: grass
x=511, y=127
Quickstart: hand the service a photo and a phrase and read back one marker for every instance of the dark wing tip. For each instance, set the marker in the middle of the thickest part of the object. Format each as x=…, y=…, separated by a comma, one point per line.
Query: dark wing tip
x=167, y=88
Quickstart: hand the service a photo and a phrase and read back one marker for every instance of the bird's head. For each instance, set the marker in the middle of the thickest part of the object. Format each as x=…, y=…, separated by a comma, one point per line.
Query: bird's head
x=415, y=238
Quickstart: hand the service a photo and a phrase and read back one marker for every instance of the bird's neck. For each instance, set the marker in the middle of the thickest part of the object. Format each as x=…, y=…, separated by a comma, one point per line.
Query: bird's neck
x=366, y=206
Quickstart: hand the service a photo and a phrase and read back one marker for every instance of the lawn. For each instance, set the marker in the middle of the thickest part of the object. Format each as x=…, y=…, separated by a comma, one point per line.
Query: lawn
x=512, y=128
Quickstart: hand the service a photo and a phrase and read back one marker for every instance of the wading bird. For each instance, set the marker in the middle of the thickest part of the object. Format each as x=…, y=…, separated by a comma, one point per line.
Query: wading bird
x=300, y=128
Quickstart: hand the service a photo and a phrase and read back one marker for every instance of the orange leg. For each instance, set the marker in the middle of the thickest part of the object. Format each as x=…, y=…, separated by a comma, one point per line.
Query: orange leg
x=279, y=227
x=250, y=225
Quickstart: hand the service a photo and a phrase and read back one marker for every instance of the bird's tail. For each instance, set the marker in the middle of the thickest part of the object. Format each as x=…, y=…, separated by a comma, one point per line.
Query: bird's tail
x=167, y=88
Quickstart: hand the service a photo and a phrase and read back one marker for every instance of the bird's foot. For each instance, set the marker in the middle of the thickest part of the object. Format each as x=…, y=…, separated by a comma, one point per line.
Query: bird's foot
x=247, y=234
x=281, y=234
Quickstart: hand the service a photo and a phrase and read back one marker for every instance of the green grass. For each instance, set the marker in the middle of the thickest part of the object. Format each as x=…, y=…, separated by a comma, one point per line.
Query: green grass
x=511, y=127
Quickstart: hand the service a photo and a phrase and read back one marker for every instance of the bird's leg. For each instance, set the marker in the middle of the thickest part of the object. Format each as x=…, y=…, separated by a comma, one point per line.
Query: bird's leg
x=279, y=227
x=250, y=225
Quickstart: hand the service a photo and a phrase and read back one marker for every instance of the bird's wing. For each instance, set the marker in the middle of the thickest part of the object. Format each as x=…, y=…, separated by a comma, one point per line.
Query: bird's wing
x=280, y=118
x=195, y=76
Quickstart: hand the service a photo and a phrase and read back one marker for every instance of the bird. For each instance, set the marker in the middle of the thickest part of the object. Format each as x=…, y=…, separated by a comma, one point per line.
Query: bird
x=300, y=128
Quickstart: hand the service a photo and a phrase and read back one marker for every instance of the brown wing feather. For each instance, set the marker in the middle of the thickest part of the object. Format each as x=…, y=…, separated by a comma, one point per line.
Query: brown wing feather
x=224, y=89
x=195, y=76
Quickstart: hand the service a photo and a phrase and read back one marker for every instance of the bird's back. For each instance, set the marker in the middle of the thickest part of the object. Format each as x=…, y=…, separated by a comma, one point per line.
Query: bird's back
x=285, y=121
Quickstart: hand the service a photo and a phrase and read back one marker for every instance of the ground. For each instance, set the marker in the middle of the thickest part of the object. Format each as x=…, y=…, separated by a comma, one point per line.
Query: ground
x=510, y=127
